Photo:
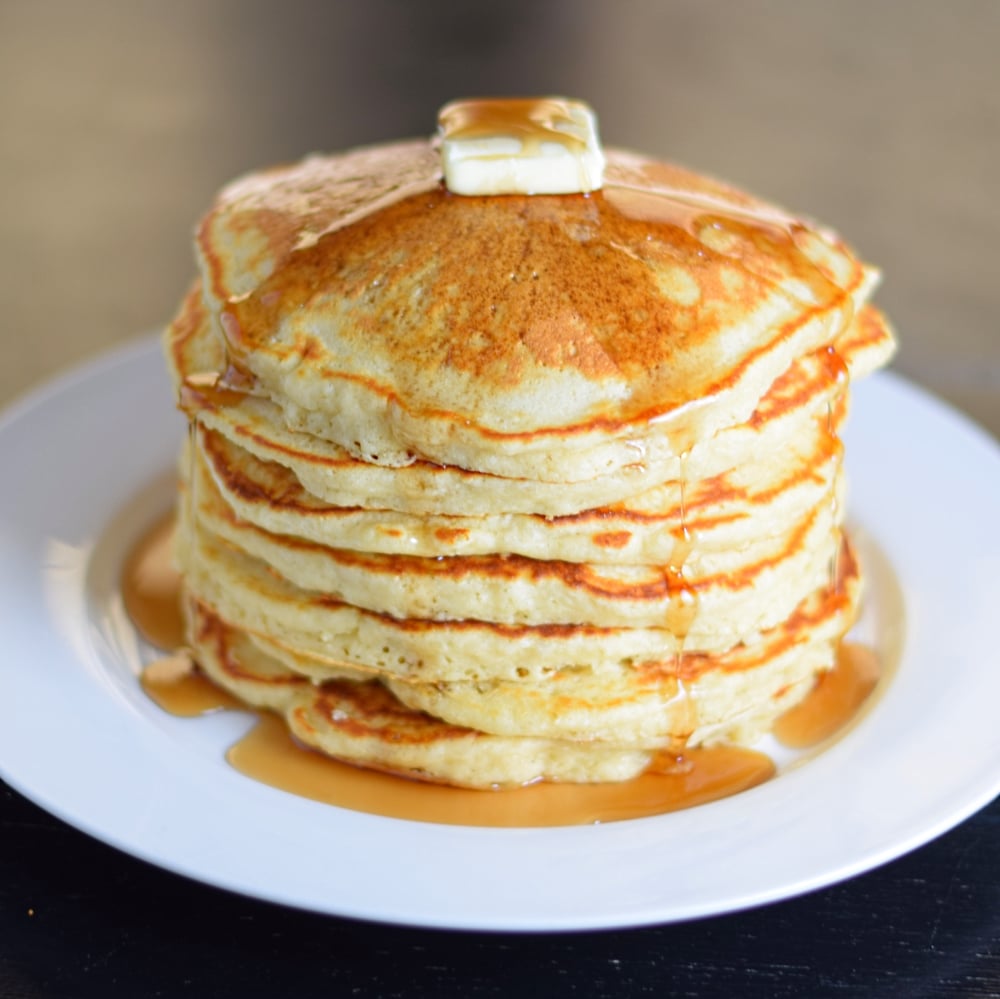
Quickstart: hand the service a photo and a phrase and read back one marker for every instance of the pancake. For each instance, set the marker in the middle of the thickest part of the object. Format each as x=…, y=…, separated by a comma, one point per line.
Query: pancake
x=761, y=581
x=805, y=392
x=247, y=594
x=568, y=730
x=521, y=336
x=650, y=705
x=502, y=488
x=646, y=529
x=363, y=723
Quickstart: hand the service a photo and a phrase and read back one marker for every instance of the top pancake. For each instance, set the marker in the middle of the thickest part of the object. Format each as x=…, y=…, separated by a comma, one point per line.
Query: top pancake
x=555, y=338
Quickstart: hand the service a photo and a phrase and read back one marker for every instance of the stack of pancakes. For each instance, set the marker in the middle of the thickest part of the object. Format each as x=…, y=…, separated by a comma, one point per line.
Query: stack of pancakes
x=487, y=490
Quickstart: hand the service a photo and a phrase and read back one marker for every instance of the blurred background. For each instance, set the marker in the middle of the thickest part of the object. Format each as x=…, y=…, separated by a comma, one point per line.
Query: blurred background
x=120, y=118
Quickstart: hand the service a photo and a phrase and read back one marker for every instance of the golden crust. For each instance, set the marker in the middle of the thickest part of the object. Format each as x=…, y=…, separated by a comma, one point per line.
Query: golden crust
x=482, y=331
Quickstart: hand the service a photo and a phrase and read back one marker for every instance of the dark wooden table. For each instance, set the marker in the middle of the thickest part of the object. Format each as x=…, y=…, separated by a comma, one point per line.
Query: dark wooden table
x=80, y=919
x=121, y=117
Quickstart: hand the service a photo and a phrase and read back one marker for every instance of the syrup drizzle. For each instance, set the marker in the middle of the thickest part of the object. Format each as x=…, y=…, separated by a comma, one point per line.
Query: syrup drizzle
x=532, y=120
x=683, y=598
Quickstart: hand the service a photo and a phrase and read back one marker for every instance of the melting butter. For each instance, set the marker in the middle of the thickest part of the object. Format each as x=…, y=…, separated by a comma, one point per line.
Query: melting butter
x=542, y=145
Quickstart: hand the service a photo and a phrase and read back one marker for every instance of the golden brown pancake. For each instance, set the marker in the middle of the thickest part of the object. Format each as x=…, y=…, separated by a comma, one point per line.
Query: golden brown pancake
x=550, y=337
x=645, y=704
x=759, y=582
x=723, y=512
x=568, y=729
x=363, y=723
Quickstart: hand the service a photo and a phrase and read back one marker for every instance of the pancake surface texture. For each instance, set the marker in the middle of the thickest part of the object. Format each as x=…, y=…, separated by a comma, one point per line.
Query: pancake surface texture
x=501, y=488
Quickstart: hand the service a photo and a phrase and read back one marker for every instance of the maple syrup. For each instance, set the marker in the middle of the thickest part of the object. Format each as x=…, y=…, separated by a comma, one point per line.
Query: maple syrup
x=533, y=120
x=683, y=608
x=150, y=587
x=176, y=685
x=834, y=701
x=270, y=755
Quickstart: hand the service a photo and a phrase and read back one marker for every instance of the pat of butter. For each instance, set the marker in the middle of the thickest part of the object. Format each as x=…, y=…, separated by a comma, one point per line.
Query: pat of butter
x=544, y=145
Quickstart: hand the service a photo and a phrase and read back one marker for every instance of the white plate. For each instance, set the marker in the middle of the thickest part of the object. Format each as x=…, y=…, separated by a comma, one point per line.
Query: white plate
x=86, y=464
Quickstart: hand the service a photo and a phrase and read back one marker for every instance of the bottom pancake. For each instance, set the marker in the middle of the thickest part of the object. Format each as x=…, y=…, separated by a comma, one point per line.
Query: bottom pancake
x=361, y=722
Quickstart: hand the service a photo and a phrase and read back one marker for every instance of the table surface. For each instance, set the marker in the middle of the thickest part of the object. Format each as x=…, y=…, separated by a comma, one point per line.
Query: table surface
x=121, y=119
